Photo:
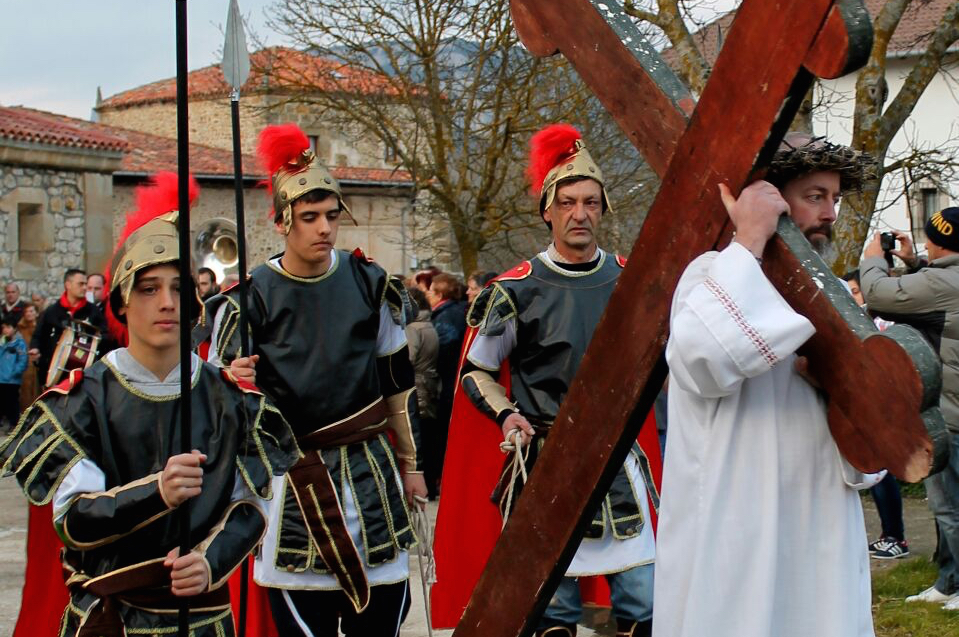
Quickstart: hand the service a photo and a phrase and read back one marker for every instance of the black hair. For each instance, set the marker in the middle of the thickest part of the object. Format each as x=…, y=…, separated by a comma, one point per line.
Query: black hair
x=205, y=270
x=852, y=275
x=10, y=320
x=71, y=271
x=102, y=278
x=482, y=278
x=418, y=298
x=312, y=196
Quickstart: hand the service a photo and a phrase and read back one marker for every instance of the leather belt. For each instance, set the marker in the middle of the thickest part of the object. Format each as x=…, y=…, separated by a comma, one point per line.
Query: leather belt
x=144, y=585
x=320, y=505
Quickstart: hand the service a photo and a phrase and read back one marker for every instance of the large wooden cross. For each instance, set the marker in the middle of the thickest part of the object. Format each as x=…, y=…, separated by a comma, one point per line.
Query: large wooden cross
x=882, y=391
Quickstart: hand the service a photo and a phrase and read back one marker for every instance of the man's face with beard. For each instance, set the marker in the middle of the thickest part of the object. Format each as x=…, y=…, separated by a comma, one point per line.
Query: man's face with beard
x=812, y=200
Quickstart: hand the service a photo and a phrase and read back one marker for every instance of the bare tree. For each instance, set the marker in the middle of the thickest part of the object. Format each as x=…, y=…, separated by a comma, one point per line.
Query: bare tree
x=874, y=126
x=459, y=101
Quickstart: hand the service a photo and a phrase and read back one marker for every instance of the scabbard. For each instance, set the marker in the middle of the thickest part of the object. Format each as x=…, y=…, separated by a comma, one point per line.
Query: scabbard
x=320, y=505
x=145, y=585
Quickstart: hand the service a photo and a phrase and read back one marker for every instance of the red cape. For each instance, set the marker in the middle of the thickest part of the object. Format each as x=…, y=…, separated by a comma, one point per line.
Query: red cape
x=259, y=617
x=44, y=593
x=468, y=523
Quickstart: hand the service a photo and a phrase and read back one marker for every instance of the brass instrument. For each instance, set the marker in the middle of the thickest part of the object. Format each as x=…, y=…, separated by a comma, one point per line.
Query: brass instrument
x=215, y=247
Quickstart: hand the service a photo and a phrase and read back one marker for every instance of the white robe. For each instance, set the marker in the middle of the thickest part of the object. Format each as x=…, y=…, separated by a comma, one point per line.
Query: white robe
x=761, y=532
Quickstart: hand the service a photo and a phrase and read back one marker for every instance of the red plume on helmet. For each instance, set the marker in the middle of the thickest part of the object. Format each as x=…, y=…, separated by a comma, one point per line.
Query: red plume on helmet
x=158, y=197
x=547, y=148
x=279, y=145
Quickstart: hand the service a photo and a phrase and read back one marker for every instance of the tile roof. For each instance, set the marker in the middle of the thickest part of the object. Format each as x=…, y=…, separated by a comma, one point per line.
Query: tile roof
x=274, y=69
x=916, y=26
x=25, y=125
x=147, y=153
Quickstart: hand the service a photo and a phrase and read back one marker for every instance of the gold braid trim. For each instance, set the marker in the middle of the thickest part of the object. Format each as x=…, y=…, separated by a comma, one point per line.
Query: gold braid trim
x=492, y=392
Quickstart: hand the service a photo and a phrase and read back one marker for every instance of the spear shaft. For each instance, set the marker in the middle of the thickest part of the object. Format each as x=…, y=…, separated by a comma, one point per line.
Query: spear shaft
x=236, y=65
x=186, y=302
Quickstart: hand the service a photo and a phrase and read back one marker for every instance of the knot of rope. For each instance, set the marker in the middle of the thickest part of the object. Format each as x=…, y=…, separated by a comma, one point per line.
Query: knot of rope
x=513, y=444
x=423, y=531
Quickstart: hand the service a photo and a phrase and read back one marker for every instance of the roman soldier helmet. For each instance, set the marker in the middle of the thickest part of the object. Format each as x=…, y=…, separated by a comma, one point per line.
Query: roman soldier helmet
x=294, y=170
x=557, y=154
x=150, y=237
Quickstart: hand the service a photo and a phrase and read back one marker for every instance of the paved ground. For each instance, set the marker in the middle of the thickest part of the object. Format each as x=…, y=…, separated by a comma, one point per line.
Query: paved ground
x=13, y=520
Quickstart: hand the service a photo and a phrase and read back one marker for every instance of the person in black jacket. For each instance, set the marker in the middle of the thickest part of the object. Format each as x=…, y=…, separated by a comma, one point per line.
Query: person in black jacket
x=449, y=319
x=72, y=306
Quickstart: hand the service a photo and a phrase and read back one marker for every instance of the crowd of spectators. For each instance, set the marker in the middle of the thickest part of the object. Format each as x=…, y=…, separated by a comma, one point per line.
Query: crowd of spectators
x=435, y=337
x=31, y=331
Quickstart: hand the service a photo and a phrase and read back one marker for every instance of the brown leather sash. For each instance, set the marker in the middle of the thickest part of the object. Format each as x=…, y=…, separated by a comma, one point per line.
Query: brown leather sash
x=144, y=585
x=320, y=505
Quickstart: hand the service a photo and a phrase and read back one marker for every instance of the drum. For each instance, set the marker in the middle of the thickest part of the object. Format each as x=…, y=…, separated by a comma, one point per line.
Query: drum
x=76, y=349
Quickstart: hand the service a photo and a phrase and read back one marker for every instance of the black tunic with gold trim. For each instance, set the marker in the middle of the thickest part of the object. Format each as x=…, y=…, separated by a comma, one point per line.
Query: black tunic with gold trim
x=332, y=354
x=541, y=316
x=96, y=446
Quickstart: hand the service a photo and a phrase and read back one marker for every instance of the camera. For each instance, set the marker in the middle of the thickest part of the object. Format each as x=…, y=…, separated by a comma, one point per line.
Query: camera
x=887, y=241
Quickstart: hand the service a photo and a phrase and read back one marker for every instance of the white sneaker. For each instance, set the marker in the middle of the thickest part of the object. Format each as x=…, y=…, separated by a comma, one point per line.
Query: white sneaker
x=952, y=604
x=932, y=596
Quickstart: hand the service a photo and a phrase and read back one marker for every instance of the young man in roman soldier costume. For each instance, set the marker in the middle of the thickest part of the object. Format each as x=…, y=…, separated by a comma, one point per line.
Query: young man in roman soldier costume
x=102, y=446
x=540, y=317
x=328, y=345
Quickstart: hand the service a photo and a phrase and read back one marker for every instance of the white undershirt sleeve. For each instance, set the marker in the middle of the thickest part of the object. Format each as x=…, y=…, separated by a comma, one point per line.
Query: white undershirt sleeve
x=391, y=337
x=84, y=477
x=214, y=356
x=489, y=352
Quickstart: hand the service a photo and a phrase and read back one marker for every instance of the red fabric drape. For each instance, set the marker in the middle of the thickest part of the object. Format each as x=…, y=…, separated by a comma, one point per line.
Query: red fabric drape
x=44, y=593
x=259, y=619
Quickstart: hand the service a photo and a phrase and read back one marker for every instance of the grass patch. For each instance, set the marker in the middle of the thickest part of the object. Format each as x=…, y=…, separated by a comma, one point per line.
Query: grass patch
x=913, y=490
x=894, y=618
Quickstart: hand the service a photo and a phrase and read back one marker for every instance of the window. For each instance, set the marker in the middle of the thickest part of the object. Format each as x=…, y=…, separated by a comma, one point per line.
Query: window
x=928, y=203
x=314, y=142
x=32, y=236
x=390, y=154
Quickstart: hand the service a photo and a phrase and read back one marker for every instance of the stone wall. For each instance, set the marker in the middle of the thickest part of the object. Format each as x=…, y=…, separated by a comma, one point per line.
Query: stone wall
x=378, y=231
x=42, y=225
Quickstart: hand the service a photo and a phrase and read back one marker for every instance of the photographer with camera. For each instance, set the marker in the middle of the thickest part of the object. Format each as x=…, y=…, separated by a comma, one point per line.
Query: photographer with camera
x=928, y=300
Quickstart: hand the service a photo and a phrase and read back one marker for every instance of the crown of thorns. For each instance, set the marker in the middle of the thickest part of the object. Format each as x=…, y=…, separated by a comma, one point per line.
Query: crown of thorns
x=855, y=167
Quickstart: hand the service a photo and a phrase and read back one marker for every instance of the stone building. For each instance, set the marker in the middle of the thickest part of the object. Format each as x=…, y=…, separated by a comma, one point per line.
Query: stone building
x=66, y=184
x=380, y=195
x=56, y=198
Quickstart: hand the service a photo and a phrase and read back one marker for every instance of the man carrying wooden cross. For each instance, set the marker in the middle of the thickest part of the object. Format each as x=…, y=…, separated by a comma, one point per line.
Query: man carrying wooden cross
x=762, y=530
x=540, y=316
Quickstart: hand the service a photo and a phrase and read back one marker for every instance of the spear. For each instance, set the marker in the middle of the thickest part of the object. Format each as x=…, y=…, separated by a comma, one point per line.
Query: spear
x=236, y=69
x=186, y=303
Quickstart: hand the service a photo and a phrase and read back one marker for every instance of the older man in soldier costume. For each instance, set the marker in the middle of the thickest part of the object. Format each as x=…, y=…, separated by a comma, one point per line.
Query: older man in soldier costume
x=103, y=447
x=540, y=317
x=328, y=345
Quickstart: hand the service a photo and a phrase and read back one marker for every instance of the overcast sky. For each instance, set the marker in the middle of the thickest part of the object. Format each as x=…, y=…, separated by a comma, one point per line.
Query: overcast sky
x=54, y=53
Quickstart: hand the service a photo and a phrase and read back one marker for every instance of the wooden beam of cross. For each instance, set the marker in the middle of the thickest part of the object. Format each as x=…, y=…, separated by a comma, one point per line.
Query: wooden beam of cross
x=770, y=58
